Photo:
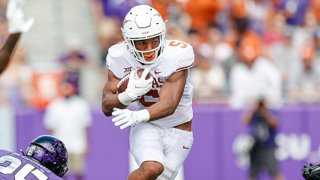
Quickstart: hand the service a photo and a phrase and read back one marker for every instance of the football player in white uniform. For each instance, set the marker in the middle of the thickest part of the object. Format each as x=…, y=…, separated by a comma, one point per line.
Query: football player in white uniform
x=161, y=135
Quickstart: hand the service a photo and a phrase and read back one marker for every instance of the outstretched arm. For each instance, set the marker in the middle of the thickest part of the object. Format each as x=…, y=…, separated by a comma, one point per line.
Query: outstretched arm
x=17, y=25
x=7, y=50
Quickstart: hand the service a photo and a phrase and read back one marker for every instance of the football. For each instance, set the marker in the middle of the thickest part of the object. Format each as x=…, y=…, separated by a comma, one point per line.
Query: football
x=140, y=71
x=123, y=83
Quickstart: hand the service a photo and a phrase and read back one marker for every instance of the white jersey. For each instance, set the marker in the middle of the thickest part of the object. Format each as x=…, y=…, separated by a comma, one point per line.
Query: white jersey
x=176, y=56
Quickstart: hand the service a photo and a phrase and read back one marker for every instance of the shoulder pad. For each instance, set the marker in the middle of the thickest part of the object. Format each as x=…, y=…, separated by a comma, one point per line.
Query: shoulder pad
x=117, y=49
x=182, y=52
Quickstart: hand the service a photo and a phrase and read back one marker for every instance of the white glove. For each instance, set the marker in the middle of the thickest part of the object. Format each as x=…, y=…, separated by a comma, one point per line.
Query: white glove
x=136, y=88
x=125, y=117
x=15, y=16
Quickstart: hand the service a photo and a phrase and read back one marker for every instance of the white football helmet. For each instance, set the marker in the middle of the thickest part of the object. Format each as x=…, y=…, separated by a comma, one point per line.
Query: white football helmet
x=143, y=22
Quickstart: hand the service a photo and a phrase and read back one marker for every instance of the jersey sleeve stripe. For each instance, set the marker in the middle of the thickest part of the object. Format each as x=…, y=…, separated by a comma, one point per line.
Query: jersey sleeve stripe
x=185, y=67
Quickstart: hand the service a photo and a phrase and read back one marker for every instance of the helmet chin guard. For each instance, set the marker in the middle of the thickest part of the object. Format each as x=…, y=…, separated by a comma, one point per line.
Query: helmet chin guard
x=143, y=22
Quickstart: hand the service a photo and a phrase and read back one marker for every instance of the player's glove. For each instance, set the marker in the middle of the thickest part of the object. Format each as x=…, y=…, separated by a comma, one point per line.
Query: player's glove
x=16, y=19
x=136, y=88
x=311, y=172
x=125, y=118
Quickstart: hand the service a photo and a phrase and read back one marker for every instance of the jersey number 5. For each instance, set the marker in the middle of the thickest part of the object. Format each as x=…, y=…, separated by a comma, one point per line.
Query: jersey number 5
x=15, y=163
x=178, y=43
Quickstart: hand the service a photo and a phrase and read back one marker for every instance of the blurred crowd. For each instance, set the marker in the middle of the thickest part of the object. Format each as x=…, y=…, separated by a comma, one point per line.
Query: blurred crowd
x=245, y=49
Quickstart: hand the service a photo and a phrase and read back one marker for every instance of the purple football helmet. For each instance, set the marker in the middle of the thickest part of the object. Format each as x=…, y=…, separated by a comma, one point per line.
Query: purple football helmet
x=50, y=152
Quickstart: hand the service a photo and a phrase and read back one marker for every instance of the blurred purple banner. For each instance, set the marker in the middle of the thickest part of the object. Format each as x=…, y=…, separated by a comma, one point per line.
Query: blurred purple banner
x=219, y=150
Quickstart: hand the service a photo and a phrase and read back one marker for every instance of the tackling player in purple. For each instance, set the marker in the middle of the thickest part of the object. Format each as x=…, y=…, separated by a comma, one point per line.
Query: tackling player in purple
x=46, y=157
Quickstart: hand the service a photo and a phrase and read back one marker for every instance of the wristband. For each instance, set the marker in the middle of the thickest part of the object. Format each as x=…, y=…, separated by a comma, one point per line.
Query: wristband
x=124, y=98
x=144, y=115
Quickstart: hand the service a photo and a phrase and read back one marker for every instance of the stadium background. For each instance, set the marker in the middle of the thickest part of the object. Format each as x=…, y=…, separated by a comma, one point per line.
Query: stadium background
x=221, y=139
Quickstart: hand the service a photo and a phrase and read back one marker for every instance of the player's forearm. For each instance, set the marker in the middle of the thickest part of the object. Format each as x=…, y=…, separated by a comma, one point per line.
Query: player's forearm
x=169, y=99
x=109, y=102
x=11, y=42
x=161, y=109
x=7, y=50
x=167, y=104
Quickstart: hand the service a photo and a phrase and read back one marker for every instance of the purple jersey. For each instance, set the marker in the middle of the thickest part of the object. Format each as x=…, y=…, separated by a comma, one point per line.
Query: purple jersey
x=15, y=166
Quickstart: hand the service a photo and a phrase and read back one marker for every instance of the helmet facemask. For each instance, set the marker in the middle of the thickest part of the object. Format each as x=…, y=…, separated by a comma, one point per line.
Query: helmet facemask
x=143, y=23
x=50, y=152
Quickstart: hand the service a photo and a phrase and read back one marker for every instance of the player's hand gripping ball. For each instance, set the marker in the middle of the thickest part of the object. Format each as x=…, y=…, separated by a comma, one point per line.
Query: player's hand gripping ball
x=123, y=83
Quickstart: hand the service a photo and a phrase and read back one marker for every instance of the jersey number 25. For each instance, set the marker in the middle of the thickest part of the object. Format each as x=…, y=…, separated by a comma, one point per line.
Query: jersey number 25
x=15, y=163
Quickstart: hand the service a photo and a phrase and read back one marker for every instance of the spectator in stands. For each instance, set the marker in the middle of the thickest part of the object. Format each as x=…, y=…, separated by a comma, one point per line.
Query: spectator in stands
x=315, y=5
x=316, y=38
x=306, y=30
x=253, y=75
x=69, y=118
x=304, y=82
x=74, y=61
x=208, y=79
x=284, y=55
x=293, y=10
x=263, y=128
x=239, y=24
x=255, y=10
x=222, y=51
x=202, y=13
x=275, y=29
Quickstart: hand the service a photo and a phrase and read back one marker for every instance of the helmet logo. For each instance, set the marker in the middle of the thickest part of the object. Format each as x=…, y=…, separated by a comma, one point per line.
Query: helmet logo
x=31, y=150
